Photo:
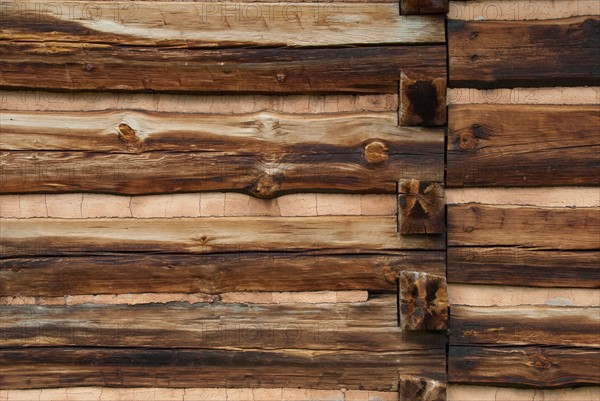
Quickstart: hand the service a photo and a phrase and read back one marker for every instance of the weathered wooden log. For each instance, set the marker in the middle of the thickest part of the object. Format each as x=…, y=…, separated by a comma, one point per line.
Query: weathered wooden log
x=71, y=66
x=216, y=24
x=340, y=234
x=423, y=301
x=532, y=227
x=123, y=272
x=487, y=145
x=537, y=367
x=424, y=6
x=526, y=267
x=525, y=325
x=262, y=154
x=492, y=54
x=414, y=388
x=422, y=209
x=126, y=367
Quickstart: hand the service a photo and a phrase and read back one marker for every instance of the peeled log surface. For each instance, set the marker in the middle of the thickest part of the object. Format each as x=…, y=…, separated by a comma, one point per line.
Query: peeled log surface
x=71, y=66
x=114, y=367
x=492, y=145
x=423, y=301
x=262, y=154
x=526, y=267
x=535, y=227
x=201, y=24
x=525, y=325
x=493, y=54
x=537, y=367
x=341, y=234
x=124, y=273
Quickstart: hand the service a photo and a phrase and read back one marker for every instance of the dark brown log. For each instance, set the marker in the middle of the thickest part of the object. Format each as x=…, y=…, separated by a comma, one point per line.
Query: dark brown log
x=423, y=300
x=414, y=388
x=525, y=325
x=422, y=207
x=422, y=101
x=536, y=367
x=339, y=234
x=113, y=367
x=123, y=273
x=523, y=145
x=262, y=154
x=492, y=54
x=536, y=227
x=363, y=326
x=424, y=6
x=71, y=66
x=518, y=266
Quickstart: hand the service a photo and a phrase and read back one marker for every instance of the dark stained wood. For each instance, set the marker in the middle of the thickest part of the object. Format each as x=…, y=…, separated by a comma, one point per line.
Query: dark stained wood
x=422, y=101
x=537, y=367
x=492, y=54
x=525, y=325
x=423, y=301
x=523, y=145
x=414, y=388
x=364, y=326
x=71, y=66
x=339, y=234
x=262, y=154
x=524, y=267
x=424, y=6
x=123, y=273
x=422, y=207
x=113, y=367
x=532, y=227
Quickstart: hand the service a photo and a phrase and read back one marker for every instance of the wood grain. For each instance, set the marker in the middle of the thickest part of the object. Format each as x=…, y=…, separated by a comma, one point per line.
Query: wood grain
x=537, y=367
x=532, y=227
x=71, y=66
x=123, y=273
x=212, y=24
x=517, y=145
x=424, y=6
x=492, y=54
x=114, y=367
x=343, y=234
x=422, y=301
x=525, y=325
x=422, y=209
x=525, y=267
x=262, y=154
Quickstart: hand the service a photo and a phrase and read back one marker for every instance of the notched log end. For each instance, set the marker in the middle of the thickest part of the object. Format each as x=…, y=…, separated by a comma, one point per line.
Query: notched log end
x=408, y=7
x=413, y=388
x=423, y=301
x=421, y=207
x=423, y=101
x=376, y=152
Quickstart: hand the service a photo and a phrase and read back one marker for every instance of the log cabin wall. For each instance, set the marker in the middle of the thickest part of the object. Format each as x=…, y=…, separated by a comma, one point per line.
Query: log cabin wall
x=146, y=245
x=523, y=200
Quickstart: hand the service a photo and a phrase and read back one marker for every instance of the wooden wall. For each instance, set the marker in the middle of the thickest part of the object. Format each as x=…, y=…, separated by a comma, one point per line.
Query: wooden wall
x=523, y=200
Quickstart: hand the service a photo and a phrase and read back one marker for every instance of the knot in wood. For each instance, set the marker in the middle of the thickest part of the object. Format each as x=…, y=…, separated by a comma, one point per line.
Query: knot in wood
x=128, y=135
x=376, y=152
x=265, y=187
x=467, y=141
x=540, y=362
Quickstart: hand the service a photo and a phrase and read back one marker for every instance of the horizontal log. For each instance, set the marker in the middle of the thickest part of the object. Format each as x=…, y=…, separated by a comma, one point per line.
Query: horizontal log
x=549, y=228
x=71, y=66
x=342, y=234
x=113, y=367
x=263, y=154
x=491, y=145
x=525, y=325
x=364, y=326
x=217, y=24
x=492, y=54
x=518, y=266
x=210, y=273
x=537, y=367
